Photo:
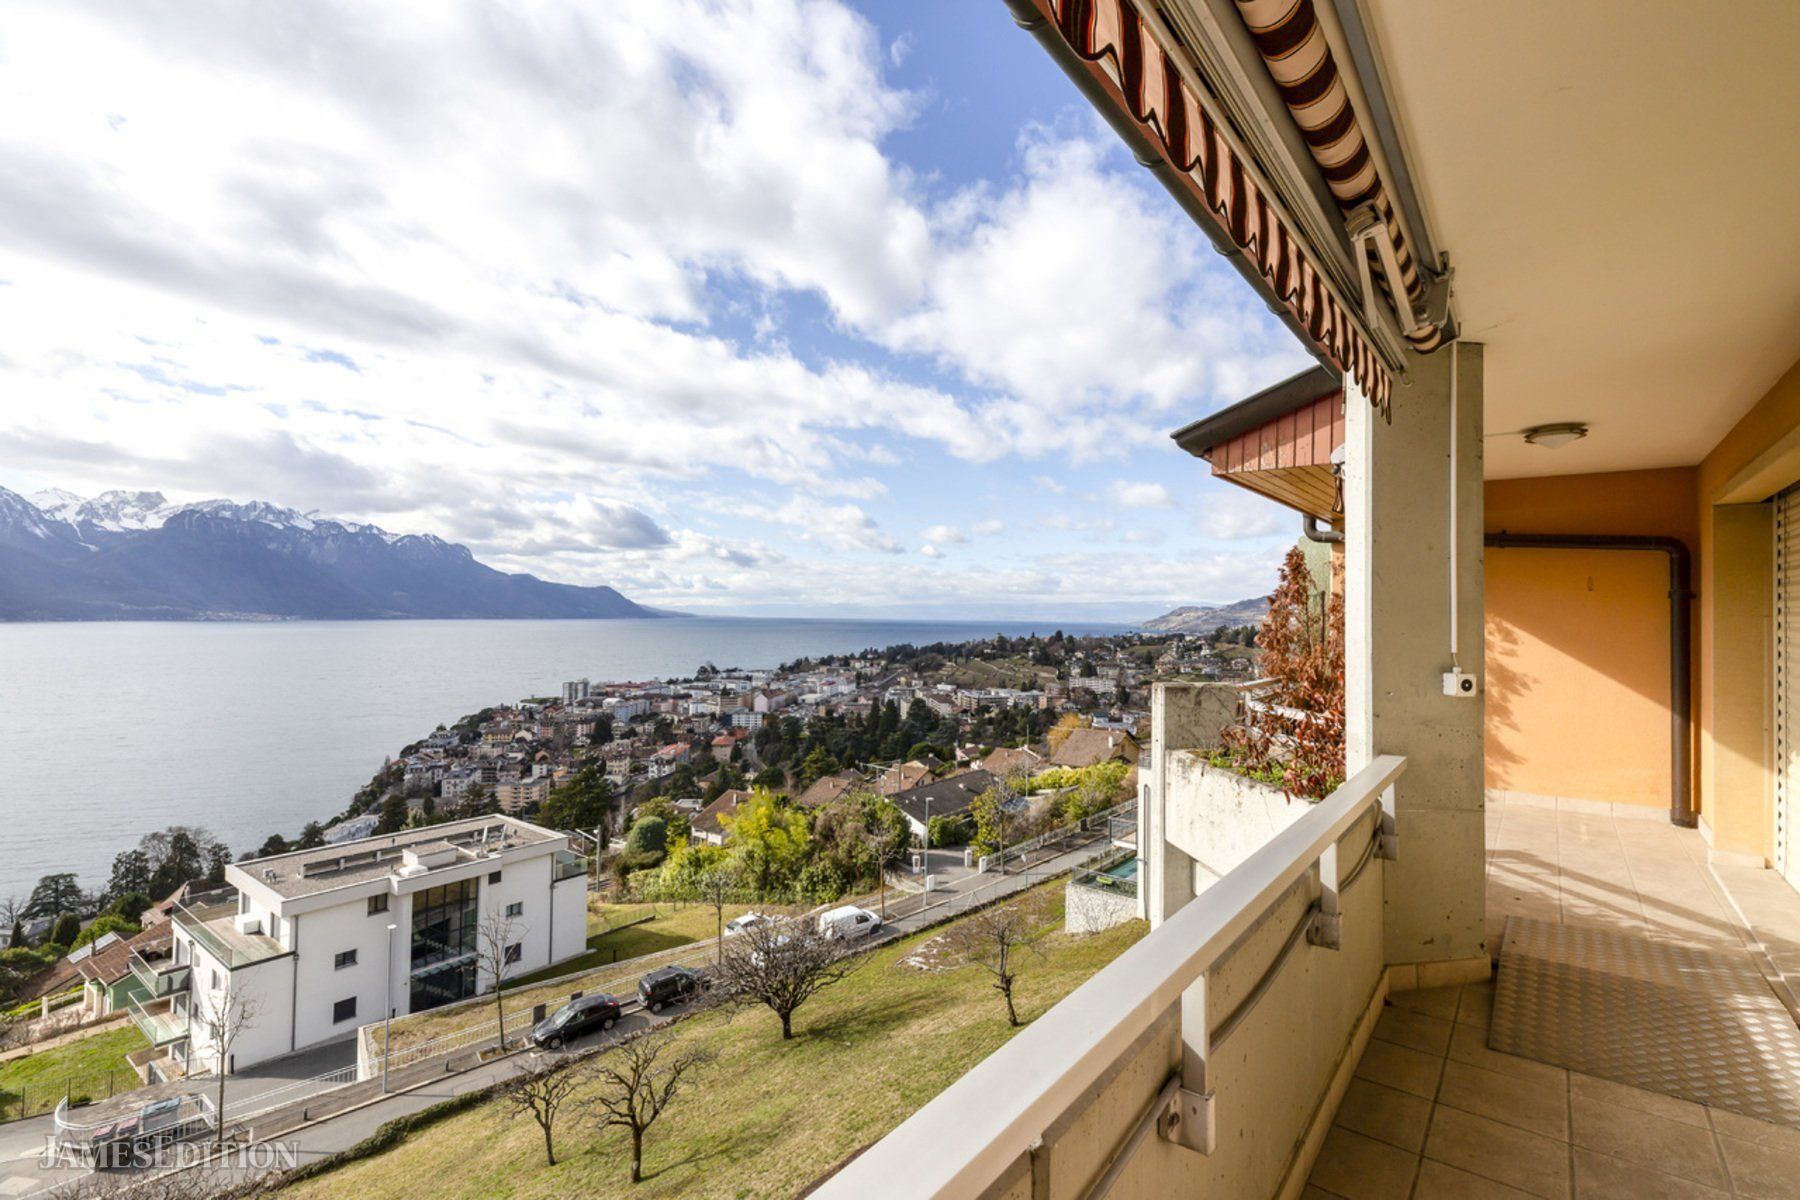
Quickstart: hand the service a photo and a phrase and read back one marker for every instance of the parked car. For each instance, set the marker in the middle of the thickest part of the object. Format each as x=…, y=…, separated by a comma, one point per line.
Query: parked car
x=739, y=924
x=577, y=1017
x=849, y=923
x=667, y=986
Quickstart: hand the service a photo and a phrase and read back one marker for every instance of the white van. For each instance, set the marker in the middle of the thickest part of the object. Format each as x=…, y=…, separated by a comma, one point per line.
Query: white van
x=849, y=923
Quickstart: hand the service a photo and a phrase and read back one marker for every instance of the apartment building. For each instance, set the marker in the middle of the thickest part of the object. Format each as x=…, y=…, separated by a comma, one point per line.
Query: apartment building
x=318, y=942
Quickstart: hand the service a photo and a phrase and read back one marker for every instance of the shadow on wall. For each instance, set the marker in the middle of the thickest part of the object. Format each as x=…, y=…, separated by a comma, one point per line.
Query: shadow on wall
x=1505, y=682
x=1578, y=674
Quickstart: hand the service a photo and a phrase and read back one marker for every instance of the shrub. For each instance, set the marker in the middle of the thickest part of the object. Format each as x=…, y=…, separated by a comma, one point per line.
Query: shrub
x=949, y=831
x=1299, y=727
x=649, y=835
x=66, y=930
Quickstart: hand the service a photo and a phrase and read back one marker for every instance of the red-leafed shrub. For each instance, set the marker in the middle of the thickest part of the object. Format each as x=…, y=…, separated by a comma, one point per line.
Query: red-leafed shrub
x=1293, y=733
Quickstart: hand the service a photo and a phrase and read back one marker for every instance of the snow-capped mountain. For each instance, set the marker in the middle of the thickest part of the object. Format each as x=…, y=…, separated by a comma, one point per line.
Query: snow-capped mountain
x=134, y=555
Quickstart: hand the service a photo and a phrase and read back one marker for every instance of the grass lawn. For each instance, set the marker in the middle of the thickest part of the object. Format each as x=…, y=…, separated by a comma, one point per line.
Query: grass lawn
x=91, y=1066
x=767, y=1117
x=618, y=931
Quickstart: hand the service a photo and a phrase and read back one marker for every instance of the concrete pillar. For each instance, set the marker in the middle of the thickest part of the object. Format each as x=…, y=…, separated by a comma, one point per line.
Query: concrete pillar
x=1398, y=480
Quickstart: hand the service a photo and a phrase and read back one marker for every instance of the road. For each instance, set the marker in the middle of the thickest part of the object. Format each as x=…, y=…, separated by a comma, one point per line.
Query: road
x=418, y=1087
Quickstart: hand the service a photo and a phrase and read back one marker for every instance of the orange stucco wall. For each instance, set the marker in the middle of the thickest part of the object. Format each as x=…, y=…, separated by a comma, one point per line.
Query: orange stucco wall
x=1577, y=658
x=1756, y=459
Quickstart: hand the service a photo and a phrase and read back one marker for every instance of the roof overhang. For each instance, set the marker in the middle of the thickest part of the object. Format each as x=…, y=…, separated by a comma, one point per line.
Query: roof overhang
x=1280, y=443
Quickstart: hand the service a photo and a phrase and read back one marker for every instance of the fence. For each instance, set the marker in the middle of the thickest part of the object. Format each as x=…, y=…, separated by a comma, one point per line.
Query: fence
x=1103, y=824
x=37, y=1097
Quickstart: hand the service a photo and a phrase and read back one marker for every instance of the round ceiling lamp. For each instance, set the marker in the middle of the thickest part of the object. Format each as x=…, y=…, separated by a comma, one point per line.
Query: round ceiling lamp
x=1550, y=437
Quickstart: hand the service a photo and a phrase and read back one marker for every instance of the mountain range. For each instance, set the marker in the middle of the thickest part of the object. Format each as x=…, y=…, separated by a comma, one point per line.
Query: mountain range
x=1195, y=618
x=135, y=556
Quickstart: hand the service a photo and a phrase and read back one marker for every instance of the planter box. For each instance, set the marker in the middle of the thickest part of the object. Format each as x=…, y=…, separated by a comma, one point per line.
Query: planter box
x=1219, y=818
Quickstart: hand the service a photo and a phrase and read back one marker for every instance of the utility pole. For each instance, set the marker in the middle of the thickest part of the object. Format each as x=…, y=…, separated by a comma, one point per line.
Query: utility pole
x=387, y=1017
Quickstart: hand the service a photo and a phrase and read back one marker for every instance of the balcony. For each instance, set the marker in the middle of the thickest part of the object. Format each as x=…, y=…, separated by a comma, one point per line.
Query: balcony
x=158, y=972
x=568, y=865
x=211, y=920
x=1235, y=1052
x=159, y=1021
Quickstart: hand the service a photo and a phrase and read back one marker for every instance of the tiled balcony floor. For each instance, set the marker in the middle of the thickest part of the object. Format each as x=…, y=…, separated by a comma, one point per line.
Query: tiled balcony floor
x=1433, y=1113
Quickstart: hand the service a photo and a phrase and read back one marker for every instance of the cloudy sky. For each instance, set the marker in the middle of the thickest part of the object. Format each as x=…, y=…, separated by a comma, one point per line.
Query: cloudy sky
x=785, y=306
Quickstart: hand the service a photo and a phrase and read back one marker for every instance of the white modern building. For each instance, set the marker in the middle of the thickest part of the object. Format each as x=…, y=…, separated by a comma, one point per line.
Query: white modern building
x=318, y=942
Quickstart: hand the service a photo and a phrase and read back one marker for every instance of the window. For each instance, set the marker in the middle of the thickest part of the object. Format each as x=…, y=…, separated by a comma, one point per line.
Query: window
x=215, y=981
x=444, y=924
x=515, y=952
x=343, y=1010
x=345, y=958
x=493, y=877
x=378, y=904
x=516, y=909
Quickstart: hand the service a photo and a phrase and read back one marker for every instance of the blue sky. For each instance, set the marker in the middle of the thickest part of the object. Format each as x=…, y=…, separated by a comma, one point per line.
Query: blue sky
x=783, y=307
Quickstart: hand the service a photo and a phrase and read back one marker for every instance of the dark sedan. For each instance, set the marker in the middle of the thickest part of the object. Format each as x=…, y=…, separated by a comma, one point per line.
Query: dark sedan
x=574, y=1019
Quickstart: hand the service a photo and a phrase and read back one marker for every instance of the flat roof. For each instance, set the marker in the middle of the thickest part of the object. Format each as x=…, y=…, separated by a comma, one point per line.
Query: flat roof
x=308, y=872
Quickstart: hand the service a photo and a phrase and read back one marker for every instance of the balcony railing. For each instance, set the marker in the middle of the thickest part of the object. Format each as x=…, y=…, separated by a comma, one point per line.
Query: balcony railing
x=211, y=920
x=567, y=865
x=160, y=974
x=159, y=1021
x=1104, y=1049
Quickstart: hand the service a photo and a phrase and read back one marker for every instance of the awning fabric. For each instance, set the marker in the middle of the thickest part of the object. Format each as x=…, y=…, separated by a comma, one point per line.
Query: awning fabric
x=1139, y=74
x=1293, y=47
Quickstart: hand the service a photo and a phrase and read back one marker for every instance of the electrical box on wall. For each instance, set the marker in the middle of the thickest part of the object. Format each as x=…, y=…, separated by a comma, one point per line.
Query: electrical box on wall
x=1461, y=683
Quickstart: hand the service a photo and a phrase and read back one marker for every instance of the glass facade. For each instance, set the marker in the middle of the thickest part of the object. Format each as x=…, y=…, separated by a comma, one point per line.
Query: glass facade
x=444, y=931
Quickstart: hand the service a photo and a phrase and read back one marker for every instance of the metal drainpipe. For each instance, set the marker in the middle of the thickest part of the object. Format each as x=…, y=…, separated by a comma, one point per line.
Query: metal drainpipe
x=1315, y=532
x=1681, y=803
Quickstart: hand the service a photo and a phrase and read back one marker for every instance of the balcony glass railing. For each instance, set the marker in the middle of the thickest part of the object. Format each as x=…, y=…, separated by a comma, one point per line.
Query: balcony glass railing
x=211, y=920
x=159, y=1021
x=160, y=975
x=567, y=866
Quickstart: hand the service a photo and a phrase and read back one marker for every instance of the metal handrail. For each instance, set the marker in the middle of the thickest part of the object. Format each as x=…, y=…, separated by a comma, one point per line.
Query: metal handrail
x=963, y=1141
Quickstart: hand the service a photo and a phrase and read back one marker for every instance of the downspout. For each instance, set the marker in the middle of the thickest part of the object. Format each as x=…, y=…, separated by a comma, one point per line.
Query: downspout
x=1315, y=532
x=1681, y=803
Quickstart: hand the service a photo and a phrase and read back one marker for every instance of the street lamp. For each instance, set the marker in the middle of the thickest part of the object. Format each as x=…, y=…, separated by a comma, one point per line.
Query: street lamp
x=387, y=1006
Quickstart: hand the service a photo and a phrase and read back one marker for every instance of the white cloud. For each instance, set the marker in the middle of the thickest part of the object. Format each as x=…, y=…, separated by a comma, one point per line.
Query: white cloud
x=467, y=270
x=837, y=526
x=1139, y=494
x=1234, y=516
x=930, y=551
x=945, y=535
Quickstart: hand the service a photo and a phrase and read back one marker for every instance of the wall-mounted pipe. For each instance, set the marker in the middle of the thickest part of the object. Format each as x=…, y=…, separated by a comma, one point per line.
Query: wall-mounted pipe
x=1681, y=724
x=1315, y=532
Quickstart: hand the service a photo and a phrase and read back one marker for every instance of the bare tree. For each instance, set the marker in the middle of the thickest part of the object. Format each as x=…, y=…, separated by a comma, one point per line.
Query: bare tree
x=636, y=1084
x=718, y=886
x=222, y=1016
x=994, y=938
x=539, y=1092
x=497, y=950
x=780, y=965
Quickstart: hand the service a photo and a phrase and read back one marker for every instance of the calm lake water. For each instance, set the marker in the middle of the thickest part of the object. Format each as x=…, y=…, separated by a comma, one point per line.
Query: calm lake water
x=111, y=730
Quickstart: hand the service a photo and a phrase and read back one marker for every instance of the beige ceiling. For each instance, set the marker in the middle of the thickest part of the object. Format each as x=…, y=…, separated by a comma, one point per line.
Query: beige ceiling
x=1617, y=183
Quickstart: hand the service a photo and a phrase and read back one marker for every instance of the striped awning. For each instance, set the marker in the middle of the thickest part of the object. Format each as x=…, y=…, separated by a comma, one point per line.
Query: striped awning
x=1142, y=78
x=1293, y=47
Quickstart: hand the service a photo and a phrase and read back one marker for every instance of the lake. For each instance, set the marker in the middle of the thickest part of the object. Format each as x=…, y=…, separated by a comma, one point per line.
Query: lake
x=113, y=729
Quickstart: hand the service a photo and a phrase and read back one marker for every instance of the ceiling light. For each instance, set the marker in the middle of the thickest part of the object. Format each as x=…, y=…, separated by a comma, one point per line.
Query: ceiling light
x=1552, y=436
